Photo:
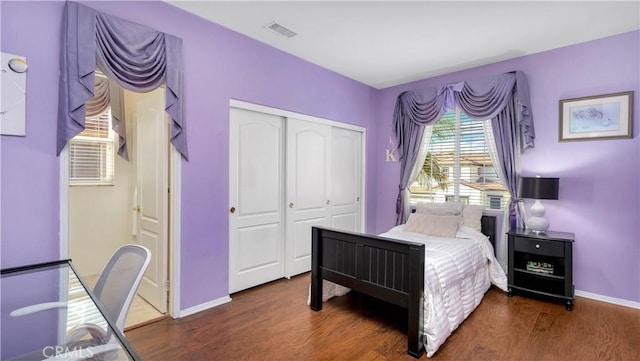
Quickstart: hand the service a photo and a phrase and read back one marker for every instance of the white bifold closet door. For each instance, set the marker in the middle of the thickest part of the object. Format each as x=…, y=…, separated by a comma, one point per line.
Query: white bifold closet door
x=287, y=175
x=324, y=185
x=256, y=183
x=308, y=190
x=346, y=179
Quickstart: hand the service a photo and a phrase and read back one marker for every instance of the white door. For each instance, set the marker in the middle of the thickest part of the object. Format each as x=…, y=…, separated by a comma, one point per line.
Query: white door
x=346, y=179
x=256, y=169
x=308, y=190
x=152, y=153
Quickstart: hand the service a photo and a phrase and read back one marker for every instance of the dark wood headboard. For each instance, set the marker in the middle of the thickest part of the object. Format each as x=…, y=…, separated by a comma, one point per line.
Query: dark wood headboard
x=489, y=229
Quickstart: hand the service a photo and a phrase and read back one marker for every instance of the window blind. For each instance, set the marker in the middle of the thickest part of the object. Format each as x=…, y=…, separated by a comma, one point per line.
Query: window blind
x=92, y=153
x=458, y=167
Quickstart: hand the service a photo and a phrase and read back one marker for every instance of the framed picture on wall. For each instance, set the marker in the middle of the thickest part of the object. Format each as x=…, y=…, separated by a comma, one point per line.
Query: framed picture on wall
x=607, y=116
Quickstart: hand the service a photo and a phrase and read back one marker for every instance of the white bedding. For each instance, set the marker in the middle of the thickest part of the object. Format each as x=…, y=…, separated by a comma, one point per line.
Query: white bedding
x=458, y=272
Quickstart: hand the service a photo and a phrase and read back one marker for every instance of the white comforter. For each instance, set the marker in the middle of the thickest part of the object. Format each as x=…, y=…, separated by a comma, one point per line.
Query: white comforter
x=458, y=271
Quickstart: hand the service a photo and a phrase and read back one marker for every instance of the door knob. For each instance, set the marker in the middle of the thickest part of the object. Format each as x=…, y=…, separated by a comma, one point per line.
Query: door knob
x=291, y=205
x=232, y=210
x=328, y=202
x=137, y=208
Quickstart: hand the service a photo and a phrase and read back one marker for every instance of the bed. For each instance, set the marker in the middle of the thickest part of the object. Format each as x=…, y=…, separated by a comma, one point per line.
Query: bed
x=392, y=267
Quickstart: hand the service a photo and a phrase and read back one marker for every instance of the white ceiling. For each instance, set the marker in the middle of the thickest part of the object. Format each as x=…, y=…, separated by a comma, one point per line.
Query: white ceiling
x=385, y=43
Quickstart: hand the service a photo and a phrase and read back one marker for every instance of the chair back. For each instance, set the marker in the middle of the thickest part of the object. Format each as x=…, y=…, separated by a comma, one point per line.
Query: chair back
x=118, y=283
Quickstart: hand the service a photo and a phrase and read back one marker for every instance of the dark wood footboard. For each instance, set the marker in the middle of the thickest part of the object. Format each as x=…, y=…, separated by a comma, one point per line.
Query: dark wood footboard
x=391, y=270
x=388, y=269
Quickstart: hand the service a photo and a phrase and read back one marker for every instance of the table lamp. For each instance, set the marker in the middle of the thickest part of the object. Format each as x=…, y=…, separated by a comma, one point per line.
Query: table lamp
x=538, y=188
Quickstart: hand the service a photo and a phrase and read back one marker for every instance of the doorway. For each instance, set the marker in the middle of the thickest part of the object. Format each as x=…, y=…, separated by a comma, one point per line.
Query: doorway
x=139, y=207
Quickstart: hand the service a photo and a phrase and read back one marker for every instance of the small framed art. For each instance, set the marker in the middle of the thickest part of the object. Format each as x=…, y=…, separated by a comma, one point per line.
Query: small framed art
x=607, y=116
x=13, y=95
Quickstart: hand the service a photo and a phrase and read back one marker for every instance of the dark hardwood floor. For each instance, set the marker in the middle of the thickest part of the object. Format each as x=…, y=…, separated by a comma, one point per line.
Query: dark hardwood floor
x=273, y=322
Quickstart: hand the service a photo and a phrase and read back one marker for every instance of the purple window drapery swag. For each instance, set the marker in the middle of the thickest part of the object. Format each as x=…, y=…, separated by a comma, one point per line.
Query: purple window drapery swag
x=134, y=56
x=108, y=94
x=101, y=98
x=503, y=98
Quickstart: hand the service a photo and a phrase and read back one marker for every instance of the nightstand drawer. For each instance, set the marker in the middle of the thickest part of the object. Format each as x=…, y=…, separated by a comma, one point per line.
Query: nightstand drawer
x=536, y=246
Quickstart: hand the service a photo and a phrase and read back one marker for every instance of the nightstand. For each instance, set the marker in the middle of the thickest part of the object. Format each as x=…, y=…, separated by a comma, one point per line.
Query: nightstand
x=542, y=264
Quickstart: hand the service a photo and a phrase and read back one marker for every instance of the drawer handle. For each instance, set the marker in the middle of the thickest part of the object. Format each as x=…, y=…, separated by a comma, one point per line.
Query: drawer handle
x=537, y=246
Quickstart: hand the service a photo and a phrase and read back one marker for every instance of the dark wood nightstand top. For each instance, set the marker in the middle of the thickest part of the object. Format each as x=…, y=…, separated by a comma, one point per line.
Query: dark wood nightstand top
x=548, y=235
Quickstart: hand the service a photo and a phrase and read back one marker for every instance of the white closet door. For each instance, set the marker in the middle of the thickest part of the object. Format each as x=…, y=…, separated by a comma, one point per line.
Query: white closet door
x=346, y=179
x=256, y=170
x=308, y=190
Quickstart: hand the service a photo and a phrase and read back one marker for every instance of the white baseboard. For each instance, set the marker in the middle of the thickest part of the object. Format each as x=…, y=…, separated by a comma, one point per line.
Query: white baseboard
x=616, y=301
x=593, y=296
x=204, y=306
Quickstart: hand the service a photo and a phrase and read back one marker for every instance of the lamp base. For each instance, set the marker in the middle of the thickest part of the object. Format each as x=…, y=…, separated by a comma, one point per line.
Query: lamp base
x=538, y=224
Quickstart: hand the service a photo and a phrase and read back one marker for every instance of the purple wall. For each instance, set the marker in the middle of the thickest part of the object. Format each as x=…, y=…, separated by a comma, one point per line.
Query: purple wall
x=219, y=65
x=29, y=168
x=599, y=180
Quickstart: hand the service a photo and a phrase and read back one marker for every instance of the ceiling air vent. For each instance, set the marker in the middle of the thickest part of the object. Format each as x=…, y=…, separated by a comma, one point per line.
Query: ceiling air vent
x=281, y=30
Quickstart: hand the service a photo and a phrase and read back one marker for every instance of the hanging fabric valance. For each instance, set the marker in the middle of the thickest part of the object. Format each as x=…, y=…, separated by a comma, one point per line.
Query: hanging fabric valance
x=503, y=99
x=108, y=94
x=136, y=57
x=101, y=98
x=480, y=99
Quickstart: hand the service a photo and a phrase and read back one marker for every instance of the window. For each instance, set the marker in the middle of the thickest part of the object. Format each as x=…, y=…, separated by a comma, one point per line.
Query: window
x=91, y=153
x=458, y=166
x=495, y=202
x=452, y=198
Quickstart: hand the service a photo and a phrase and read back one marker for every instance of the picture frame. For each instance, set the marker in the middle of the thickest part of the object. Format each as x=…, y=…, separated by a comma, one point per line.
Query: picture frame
x=599, y=117
x=13, y=95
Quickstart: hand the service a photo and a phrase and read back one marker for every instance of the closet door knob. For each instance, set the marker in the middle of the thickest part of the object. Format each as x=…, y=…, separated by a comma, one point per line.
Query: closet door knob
x=137, y=208
x=232, y=210
x=291, y=205
x=328, y=202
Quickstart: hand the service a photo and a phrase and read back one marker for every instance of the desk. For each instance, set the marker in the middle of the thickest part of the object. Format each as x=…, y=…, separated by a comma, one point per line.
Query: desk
x=44, y=334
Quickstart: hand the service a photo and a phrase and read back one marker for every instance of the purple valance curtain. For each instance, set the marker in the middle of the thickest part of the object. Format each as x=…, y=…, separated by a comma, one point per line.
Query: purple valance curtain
x=503, y=99
x=101, y=98
x=108, y=94
x=136, y=57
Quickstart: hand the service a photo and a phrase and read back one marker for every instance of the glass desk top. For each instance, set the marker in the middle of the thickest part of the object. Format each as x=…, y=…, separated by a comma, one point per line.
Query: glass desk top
x=48, y=312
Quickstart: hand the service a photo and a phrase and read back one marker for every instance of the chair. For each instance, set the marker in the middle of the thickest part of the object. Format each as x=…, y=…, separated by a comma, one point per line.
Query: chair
x=115, y=288
x=119, y=280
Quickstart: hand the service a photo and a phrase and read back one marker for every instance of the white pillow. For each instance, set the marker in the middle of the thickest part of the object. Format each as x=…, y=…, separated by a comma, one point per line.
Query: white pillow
x=433, y=225
x=471, y=216
x=440, y=209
